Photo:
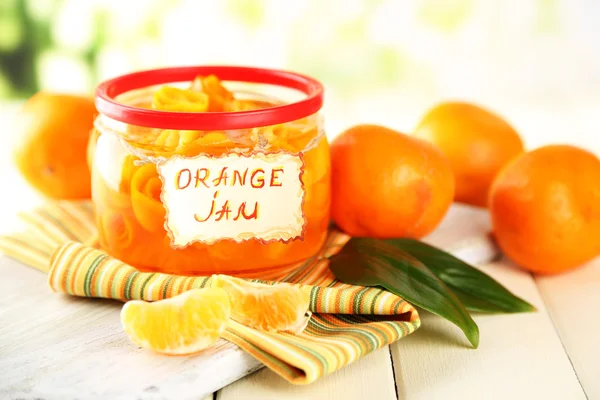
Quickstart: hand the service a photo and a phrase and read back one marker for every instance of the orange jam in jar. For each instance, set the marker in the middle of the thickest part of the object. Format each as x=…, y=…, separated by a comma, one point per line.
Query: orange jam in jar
x=202, y=170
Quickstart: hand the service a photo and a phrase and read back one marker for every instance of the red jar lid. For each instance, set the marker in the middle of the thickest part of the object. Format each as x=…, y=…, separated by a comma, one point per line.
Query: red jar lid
x=108, y=90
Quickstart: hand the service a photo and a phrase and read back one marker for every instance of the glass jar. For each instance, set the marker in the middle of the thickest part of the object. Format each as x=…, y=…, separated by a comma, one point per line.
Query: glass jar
x=131, y=140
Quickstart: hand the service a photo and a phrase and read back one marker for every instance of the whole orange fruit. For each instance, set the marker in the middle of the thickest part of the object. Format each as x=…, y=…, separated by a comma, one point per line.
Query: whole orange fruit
x=53, y=134
x=386, y=184
x=477, y=142
x=545, y=208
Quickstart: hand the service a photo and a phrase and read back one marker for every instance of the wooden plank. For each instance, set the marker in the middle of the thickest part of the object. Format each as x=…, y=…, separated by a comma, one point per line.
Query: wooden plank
x=370, y=378
x=61, y=347
x=573, y=301
x=520, y=355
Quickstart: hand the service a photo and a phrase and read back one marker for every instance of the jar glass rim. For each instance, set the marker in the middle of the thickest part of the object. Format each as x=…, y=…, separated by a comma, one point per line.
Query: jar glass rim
x=108, y=90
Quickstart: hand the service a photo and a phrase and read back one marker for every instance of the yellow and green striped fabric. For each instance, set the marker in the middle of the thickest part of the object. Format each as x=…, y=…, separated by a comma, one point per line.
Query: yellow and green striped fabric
x=347, y=323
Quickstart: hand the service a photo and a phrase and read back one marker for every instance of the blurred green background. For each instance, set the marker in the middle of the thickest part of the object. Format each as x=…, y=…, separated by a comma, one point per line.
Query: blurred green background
x=383, y=61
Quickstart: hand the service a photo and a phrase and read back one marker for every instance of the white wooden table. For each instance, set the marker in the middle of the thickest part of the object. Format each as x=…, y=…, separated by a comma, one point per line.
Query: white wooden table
x=50, y=344
x=551, y=354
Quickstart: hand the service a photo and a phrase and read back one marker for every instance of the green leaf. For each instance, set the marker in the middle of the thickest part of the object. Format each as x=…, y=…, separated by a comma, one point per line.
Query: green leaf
x=478, y=292
x=373, y=262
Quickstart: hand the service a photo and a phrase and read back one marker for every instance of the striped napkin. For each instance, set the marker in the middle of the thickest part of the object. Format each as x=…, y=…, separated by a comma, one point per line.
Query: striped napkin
x=348, y=321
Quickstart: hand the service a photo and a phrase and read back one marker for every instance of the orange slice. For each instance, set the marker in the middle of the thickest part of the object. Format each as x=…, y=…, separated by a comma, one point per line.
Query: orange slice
x=247, y=105
x=127, y=172
x=169, y=98
x=145, y=198
x=281, y=307
x=183, y=324
x=217, y=95
x=117, y=230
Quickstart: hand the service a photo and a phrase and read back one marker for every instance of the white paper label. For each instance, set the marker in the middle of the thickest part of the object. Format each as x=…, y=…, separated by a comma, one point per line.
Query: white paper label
x=234, y=196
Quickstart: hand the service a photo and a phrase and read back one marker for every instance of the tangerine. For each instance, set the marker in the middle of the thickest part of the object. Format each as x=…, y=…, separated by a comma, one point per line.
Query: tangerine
x=545, y=208
x=386, y=184
x=477, y=143
x=52, y=153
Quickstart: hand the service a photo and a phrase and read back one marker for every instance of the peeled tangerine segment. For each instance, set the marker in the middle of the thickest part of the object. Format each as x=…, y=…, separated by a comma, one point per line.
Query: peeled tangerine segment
x=281, y=307
x=183, y=324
